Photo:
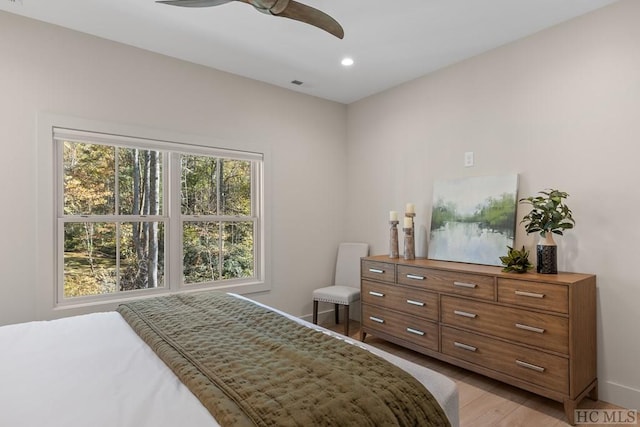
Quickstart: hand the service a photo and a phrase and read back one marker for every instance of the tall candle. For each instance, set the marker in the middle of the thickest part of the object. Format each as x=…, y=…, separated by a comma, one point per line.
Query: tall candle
x=408, y=222
x=393, y=215
x=411, y=208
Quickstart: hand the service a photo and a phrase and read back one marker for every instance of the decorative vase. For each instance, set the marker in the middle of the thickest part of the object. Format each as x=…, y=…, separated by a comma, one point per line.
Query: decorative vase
x=547, y=252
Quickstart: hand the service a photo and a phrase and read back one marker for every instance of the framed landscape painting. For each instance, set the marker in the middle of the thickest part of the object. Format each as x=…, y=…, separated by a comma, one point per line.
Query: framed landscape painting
x=473, y=219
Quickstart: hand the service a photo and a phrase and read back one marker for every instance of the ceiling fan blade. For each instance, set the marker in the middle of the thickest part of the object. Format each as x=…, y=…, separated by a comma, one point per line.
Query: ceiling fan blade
x=299, y=12
x=194, y=3
x=317, y=18
x=285, y=8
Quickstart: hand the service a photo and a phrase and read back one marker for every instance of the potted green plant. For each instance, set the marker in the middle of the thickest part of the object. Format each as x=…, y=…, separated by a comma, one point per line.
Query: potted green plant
x=516, y=261
x=549, y=215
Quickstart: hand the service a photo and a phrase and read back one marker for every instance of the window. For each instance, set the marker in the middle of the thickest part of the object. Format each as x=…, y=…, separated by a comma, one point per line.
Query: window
x=142, y=216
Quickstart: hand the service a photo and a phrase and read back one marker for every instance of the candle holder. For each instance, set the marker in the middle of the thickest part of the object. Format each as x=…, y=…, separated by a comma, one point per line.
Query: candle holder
x=393, y=240
x=409, y=244
x=412, y=241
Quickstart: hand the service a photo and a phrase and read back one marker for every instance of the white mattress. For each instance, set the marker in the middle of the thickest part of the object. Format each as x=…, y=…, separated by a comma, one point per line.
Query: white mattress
x=94, y=370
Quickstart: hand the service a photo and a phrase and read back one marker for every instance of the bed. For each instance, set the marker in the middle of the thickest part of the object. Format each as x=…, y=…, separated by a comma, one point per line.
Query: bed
x=96, y=370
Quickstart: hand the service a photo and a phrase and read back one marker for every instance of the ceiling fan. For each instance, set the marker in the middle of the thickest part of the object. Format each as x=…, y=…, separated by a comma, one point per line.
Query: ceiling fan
x=285, y=8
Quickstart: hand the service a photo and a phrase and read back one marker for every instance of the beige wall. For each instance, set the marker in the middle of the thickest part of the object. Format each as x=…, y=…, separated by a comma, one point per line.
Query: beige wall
x=561, y=109
x=47, y=69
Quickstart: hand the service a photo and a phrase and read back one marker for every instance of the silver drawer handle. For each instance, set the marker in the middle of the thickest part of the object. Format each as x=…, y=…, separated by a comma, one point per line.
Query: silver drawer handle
x=376, y=319
x=465, y=285
x=529, y=366
x=529, y=294
x=415, y=331
x=376, y=270
x=376, y=294
x=464, y=346
x=465, y=314
x=529, y=328
x=418, y=303
x=413, y=276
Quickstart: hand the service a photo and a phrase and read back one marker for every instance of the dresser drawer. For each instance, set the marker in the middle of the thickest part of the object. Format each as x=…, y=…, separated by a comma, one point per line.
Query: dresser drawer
x=410, y=301
x=413, y=329
x=544, y=296
x=546, y=331
x=385, y=272
x=472, y=285
x=542, y=369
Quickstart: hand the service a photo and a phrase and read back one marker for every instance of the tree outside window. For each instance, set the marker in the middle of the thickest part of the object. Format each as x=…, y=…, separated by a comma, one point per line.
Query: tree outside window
x=116, y=225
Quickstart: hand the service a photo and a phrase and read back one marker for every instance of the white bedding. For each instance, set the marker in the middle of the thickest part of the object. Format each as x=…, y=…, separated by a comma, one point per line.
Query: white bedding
x=94, y=370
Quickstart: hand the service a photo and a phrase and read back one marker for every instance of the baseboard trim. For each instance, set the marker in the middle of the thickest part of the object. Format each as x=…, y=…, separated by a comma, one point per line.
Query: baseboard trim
x=619, y=394
x=323, y=316
x=326, y=316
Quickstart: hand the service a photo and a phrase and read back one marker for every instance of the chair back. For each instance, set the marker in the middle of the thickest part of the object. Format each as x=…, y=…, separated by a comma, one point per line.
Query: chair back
x=348, y=263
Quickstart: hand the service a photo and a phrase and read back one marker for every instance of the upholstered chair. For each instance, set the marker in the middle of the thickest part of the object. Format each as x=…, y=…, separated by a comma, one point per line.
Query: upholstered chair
x=346, y=285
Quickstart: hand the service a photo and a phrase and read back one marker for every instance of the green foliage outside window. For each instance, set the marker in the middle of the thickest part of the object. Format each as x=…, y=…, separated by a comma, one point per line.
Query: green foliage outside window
x=126, y=250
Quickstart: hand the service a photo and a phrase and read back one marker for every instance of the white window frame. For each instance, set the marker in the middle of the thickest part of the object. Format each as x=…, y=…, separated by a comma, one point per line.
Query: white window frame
x=59, y=127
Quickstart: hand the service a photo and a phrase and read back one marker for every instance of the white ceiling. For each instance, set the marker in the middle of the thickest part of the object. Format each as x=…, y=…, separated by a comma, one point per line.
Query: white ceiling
x=391, y=41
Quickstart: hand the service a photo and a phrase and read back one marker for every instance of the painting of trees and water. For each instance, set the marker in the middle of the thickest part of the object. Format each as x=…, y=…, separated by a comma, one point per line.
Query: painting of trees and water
x=473, y=219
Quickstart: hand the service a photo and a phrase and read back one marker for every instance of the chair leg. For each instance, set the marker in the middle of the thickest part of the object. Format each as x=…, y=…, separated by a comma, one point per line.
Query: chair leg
x=346, y=320
x=315, y=312
x=336, y=309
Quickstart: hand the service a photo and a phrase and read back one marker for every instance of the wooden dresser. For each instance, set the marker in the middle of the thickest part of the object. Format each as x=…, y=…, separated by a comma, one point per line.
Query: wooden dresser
x=534, y=331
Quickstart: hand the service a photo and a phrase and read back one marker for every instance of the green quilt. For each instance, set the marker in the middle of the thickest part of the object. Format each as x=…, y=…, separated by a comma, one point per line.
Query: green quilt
x=251, y=366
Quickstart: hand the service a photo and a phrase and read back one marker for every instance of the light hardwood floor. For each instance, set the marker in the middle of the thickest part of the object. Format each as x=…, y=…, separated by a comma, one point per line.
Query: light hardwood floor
x=485, y=402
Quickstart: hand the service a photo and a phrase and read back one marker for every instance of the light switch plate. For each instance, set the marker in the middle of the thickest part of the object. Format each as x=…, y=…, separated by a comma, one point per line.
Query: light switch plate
x=468, y=159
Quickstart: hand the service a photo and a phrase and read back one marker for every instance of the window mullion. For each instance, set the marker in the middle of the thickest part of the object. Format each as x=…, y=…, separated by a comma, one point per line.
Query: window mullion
x=174, y=234
x=256, y=211
x=116, y=184
x=60, y=261
x=114, y=218
x=118, y=249
x=221, y=248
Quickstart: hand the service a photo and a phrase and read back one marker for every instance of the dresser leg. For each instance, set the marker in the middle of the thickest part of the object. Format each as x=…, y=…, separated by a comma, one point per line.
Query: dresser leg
x=363, y=335
x=593, y=394
x=569, y=410
x=570, y=406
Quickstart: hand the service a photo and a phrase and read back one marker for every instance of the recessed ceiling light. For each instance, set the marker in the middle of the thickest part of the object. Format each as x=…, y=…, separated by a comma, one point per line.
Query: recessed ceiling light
x=347, y=62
